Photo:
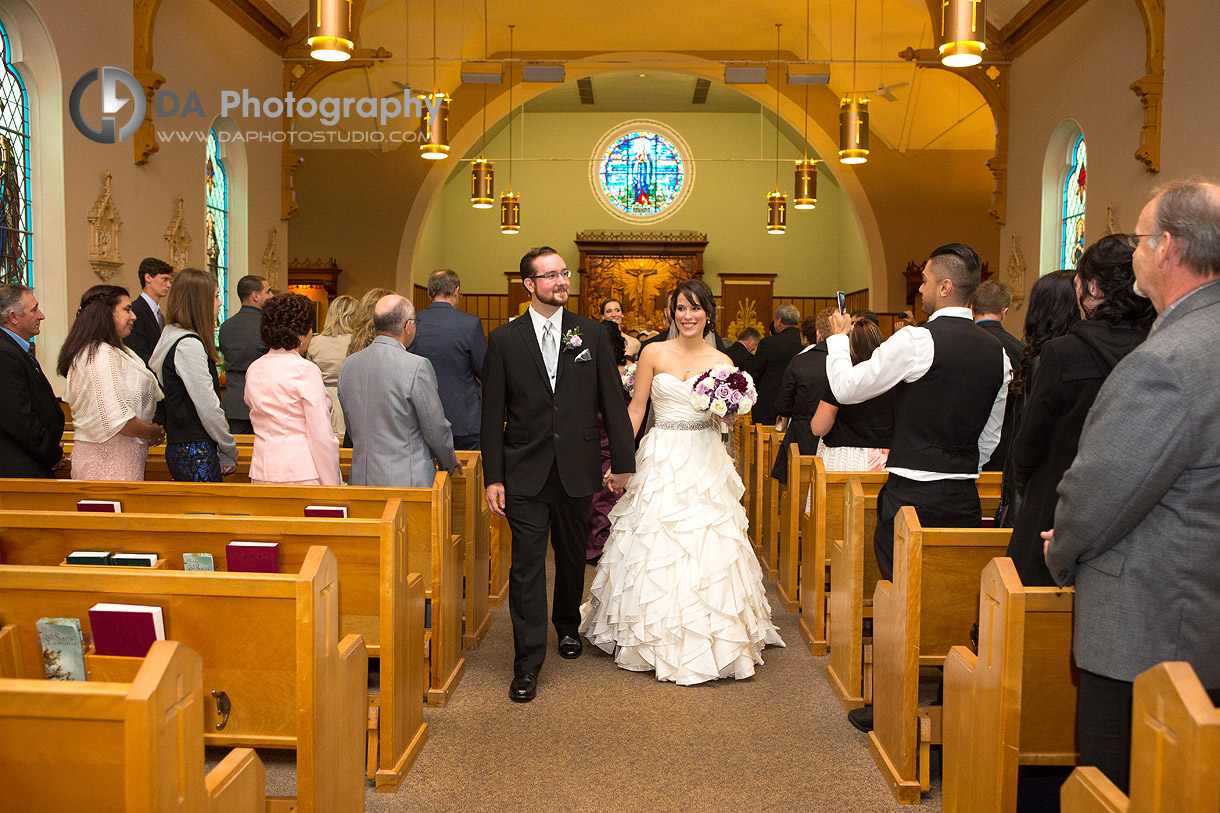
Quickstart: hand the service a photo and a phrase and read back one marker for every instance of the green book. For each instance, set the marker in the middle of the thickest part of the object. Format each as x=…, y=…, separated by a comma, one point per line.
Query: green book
x=63, y=648
x=197, y=561
x=89, y=557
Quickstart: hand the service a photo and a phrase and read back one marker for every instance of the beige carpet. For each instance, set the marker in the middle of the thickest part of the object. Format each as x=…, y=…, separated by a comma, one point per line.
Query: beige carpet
x=599, y=738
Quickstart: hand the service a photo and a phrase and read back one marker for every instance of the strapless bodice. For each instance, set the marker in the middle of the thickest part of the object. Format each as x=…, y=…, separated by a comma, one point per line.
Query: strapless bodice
x=671, y=399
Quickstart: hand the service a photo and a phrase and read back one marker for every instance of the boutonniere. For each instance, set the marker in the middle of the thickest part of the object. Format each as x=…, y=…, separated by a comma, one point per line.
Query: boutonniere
x=572, y=340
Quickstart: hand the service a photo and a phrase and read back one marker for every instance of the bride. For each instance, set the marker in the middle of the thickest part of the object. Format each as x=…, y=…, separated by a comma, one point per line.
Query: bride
x=678, y=589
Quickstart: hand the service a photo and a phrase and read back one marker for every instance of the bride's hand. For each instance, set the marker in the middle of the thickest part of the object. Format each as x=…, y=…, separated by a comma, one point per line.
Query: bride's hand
x=616, y=482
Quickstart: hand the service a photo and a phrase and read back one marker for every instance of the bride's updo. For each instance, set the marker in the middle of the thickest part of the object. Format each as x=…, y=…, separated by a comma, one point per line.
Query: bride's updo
x=696, y=290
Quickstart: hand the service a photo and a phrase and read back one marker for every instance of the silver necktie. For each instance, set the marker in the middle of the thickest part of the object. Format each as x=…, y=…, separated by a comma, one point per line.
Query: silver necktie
x=550, y=351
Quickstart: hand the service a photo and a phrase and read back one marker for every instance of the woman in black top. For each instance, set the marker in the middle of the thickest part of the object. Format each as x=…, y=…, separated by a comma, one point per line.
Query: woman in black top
x=1061, y=387
x=856, y=437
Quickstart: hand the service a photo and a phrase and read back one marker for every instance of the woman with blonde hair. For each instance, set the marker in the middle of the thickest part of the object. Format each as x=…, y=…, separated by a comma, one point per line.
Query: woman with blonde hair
x=328, y=349
x=112, y=392
x=199, y=447
x=362, y=320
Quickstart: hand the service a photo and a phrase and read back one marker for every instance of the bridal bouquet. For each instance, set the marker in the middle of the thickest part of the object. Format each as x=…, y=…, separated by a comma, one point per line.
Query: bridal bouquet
x=725, y=392
x=628, y=376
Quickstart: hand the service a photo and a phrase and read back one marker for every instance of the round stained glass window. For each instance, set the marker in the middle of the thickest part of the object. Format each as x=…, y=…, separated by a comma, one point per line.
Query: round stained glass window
x=641, y=171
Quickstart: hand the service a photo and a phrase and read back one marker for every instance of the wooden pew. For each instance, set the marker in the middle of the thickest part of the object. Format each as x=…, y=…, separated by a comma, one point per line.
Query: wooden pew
x=501, y=547
x=1014, y=703
x=138, y=746
x=377, y=601
x=765, y=522
x=794, y=527
x=270, y=642
x=1175, y=751
x=928, y=607
x=471, y=521
x=853, y=574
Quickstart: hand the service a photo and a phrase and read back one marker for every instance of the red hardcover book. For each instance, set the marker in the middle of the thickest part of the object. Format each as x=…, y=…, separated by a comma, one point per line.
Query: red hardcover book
x=100, y=506
x=326, y=511
x=125, y=629
x=253, y=557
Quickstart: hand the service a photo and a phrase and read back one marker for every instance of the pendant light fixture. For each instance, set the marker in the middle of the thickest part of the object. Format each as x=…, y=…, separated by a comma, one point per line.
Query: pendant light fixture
x=962, y=26
x=853, y=110
x=434, y=129
x=482, y=175
x=510, y=204
x=805, y=180
x=777, y=202
x=330, y=30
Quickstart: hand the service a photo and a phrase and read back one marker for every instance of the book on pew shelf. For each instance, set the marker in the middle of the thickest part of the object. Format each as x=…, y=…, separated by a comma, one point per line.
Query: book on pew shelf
x=100, y=506
x=198, y=561
x=427, y=613
x=253, y=557
x=126, y=629
x=63, y=648
x=134, y=559
x=89, y=557
x=326, y=511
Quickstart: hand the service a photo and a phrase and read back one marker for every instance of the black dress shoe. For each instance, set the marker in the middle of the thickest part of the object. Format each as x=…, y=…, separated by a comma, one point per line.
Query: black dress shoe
x=523, y=688
x=570, y=646
x=861, y=718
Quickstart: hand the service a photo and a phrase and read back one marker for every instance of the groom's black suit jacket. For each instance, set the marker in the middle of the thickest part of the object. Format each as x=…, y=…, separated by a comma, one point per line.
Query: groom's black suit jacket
x=526, y=428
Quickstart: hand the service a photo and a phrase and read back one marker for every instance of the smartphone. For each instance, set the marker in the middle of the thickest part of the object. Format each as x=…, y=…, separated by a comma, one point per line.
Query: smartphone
x=842, y=302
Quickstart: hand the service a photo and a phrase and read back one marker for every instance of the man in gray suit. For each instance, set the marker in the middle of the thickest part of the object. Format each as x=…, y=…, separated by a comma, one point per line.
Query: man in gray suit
x=1137, y=528
x=392, y=408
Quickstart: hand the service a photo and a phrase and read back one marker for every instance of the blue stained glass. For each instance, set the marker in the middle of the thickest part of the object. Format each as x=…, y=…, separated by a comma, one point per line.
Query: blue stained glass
x=217, y=221
x=16, y=264
x=642, y=174
x=1071, y=232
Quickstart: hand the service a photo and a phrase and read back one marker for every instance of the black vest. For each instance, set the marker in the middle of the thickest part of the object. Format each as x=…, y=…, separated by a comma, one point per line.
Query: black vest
x=938, y=419
x=182, y=424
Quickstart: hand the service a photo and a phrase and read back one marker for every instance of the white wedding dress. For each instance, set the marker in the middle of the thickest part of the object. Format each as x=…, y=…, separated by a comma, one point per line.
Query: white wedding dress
x=678, y=589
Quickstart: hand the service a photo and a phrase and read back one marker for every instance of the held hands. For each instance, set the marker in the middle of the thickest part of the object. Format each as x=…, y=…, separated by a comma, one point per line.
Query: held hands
x=63, y=459
x=232, y=468
x=1047, y=538
x=495, y=499
x=840, y=324
x=616, y=482
x=155, y=435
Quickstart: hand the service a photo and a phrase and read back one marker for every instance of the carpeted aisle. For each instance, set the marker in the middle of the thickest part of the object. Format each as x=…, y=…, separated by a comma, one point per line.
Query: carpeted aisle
x=599, y=738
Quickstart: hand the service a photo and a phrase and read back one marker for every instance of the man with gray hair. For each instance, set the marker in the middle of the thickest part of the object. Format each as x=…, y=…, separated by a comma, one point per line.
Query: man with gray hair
x=454, y=342
x=1137, y=527
x=392, y=407
x=771, y=360
x=33, y=424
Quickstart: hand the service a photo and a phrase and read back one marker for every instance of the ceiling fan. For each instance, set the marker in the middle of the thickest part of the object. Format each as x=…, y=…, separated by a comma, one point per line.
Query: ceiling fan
x=884, y=91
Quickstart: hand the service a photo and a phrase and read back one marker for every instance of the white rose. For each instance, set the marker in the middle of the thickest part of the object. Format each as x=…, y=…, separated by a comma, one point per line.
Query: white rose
x=701, y=402
x=719, y=409
x=743, y=408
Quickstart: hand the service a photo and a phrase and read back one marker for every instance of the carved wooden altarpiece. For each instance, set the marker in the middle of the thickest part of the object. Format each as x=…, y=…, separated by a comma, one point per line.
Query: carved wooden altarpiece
x=638, y=269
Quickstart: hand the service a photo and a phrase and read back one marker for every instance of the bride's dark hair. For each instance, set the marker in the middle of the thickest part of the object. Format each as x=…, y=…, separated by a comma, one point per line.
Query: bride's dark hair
x=696, y=290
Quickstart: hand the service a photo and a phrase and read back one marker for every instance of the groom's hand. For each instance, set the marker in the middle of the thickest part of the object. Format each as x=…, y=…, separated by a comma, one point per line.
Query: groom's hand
x=495, y=498
x=616, y=482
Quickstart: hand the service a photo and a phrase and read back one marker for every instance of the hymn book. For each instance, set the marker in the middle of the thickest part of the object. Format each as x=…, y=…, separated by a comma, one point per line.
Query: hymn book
x=326, y=511
x=63, y=648
x=89, y=557
x=197, y=561
x=134, y=559
x=253, y=557
x=100, y=506
x=125, y=629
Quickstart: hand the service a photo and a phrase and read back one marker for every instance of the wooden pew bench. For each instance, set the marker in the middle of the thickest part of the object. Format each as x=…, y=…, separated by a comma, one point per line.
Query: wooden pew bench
x=376, y=601
x=1175, y=751
x=471, y=520
x=269, y=641
x=101, y=747
x=794, y=526
x=764, y=525
x=928, y=607
x=1014, y=703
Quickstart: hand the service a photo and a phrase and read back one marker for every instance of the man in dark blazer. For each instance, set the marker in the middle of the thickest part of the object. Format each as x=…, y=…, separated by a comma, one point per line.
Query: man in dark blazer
x=453, y=341
x=156, y=277
x=771, y=360
x=546, y=376
x=1137, y=528
x=742, y=350
x=33, y=423
x=241, y=344
x=990, y=306
x=803, y=387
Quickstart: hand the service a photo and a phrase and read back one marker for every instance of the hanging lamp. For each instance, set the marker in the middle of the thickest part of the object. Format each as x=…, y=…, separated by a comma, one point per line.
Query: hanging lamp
x=777, y=202
x=330, y=30
x=434, y=129
x=853, y=111
x=510, y=204
x=482, y=173
x=963, y=24
x=805, y=179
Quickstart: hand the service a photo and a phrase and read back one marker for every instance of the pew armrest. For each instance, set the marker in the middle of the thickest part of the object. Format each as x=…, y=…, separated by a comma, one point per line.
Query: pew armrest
x=238, y=784
x=1088, y=790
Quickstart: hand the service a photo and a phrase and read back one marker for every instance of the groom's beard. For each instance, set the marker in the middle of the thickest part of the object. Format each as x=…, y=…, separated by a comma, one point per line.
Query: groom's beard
x=557, y=298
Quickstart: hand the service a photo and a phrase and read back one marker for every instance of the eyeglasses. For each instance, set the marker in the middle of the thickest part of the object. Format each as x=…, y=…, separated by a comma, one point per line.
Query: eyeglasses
x=1133, y=240
x=551, y=276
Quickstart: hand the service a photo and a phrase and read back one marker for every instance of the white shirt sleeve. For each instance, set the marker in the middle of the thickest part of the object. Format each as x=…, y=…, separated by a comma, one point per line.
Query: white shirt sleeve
x=905, y=356
x=995, y=421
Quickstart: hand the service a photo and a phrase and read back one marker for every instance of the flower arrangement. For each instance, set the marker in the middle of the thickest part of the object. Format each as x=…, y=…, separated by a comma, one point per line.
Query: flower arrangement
x=628, y=375
x=725, y=392
x=572, y=339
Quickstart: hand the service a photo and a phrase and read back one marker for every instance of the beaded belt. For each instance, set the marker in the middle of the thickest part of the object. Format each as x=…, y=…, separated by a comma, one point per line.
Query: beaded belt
x=689, y=425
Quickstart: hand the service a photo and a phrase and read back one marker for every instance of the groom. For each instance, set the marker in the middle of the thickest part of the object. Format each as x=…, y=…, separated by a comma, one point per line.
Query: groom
x=546, y=376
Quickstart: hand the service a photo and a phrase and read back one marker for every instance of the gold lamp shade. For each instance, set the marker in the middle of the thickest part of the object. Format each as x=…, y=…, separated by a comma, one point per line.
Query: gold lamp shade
x=853, y=130
x=434, y=134
x=510, y=213
x=777, y=213
x=962, y=25
x=805, y=185
x=482, y=184
x=330, y=30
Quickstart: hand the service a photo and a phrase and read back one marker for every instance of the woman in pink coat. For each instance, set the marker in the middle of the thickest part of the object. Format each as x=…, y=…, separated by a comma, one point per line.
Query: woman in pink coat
x=289, y=406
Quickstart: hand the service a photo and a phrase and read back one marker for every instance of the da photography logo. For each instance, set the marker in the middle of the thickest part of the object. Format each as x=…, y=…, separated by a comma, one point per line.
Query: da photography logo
x=111, y=105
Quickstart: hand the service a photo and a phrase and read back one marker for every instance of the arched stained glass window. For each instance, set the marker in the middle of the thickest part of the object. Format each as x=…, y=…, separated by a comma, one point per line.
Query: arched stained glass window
x=16, y=264
x=1071, y=218
x=217, y=221
x=641, y=172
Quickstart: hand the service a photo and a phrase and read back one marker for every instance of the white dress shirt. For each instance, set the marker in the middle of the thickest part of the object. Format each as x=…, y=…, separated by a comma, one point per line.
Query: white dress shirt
x=907, y=356
x=156, y=309
x=556, y=321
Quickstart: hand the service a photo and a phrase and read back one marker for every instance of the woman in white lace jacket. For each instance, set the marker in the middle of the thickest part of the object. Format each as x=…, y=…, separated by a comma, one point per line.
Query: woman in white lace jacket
x=112, y=393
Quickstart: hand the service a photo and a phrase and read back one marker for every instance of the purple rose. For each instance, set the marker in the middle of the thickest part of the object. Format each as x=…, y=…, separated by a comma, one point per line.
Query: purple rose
x=735, y=398
x=723, y=391
x=575, y=341
x=722, y=374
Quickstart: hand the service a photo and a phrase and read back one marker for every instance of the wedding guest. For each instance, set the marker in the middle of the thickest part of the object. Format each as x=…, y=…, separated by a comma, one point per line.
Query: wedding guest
x=33, y=423
x=289, y=406
x=328, y=349
x=856, y=437
x=771, y=360
x=112, y=393
x=156, y=277
x=198, y=445
x=604, y=500
x=612, y=309
x=240, y=345
x=803, y=387
x=742, y=350
x=990, y=307
x=363, y=331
